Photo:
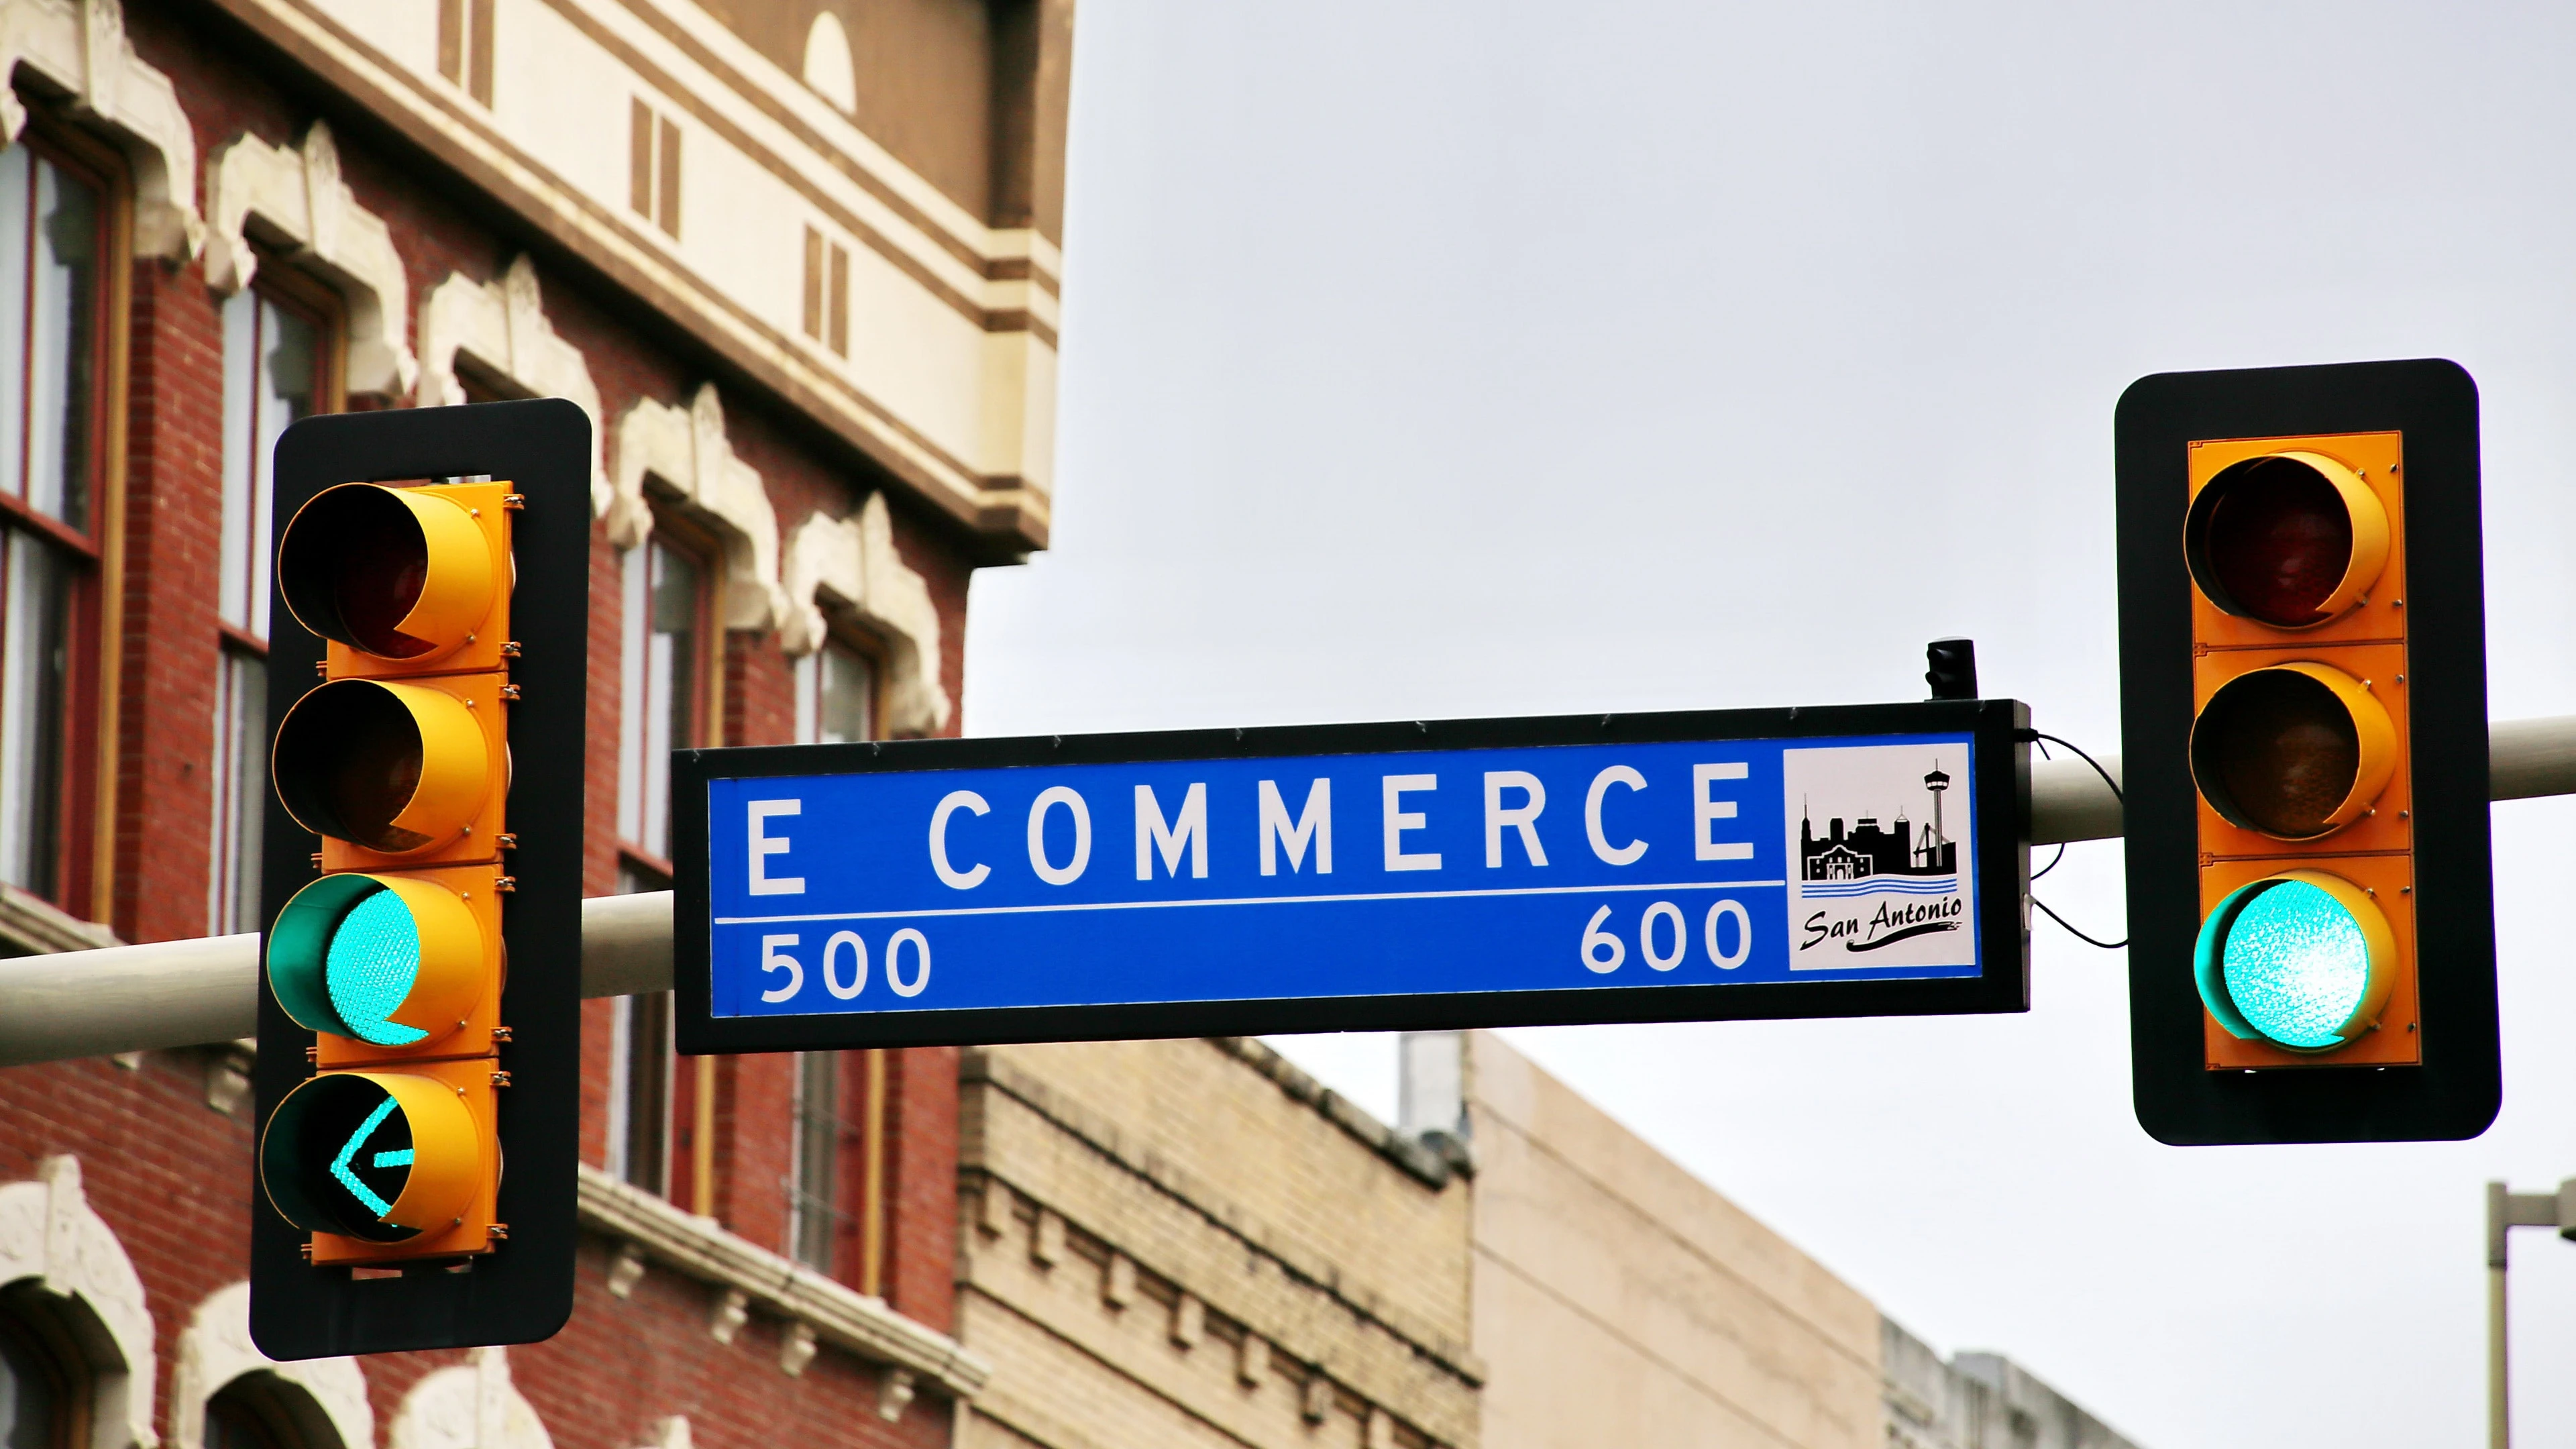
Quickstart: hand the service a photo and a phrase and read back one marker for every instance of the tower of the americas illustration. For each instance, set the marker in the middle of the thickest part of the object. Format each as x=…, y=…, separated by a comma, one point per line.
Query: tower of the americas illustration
x=1936, y=782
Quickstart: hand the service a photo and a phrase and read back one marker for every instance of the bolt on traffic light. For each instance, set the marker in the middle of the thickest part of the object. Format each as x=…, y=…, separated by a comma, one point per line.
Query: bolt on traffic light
x=402, y=1062
x=2303, y=681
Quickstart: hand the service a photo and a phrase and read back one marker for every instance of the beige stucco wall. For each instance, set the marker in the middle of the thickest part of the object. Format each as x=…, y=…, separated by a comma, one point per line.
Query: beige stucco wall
x=1109, y=1187
x=1619, y=1300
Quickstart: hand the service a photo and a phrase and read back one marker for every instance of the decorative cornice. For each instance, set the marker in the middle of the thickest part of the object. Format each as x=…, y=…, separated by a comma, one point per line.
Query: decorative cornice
x=852, y=562
x=686, y=448
x=296, y=199
x=80, y=46
x=39, y=927
x=217, y=1349
x=837, y=1315
x=50, y=1233
x=501, y=326
x=1430, y=1158
x=983, y=1065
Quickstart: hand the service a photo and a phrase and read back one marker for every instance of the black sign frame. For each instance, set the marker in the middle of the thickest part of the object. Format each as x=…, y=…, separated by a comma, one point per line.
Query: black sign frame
x=2002, y=809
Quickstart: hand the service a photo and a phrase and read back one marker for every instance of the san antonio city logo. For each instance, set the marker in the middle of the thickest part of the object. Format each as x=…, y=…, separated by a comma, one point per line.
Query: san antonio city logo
x=1911, y=882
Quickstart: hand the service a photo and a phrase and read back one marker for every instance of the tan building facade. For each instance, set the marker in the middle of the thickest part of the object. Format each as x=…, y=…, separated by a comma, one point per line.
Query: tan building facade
x=1621, y=1301
x=1189, y=1244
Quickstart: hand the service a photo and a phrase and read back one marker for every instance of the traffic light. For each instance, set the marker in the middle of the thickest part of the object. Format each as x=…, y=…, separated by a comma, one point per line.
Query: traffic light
x=402, y=1059
x=2303, y=698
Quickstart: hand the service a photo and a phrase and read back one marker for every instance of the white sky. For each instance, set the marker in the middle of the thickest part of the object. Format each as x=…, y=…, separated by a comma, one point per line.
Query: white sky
x=1446, y=360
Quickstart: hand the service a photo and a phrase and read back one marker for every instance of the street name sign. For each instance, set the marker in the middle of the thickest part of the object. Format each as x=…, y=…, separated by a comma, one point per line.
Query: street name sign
x=1841, y=861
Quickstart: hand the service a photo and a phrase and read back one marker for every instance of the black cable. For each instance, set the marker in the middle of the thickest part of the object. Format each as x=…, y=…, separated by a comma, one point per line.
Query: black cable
x=2043, y=741
x=2088, y=759
x=2052, y=861
x=2078, y=935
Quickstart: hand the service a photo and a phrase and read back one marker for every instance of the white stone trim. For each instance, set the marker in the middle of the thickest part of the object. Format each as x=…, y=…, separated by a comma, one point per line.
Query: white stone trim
x=835, y=1314
x=216, y=1349
x=294, y=198
x=80, y=46
x=471, y=1405
x=49, y=1233
x=502, y=327
x=686, y=448
x=852, y=562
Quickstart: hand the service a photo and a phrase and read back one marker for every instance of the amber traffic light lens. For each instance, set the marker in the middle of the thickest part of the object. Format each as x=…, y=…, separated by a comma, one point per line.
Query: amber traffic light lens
x=395, y=572
x=2290, y=540
x=392, y=767
x=2293, y=751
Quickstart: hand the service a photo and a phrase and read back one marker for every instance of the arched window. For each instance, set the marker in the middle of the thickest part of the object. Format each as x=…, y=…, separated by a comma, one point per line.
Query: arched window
x=42, y=1396
x=256, y=1411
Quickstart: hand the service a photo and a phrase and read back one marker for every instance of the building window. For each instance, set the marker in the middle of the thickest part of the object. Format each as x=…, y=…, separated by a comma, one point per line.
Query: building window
x=836, y=696
x=465, y=46
x=277, y=368
x=814, y=1216
x=639, y=1091
x=836, y=704
x=666, y=678
x=653, y=167
x=664, y=670
x=53, y=241
x=827, y=291
x=250, y=1413
x=40, y=1399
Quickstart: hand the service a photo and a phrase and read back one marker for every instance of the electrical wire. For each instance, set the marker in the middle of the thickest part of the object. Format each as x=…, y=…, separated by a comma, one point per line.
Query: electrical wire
x=2078, y=935
x=2043, y=741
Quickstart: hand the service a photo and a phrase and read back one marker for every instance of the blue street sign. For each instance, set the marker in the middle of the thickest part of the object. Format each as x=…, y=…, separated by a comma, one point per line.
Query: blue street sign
x=1636, y=868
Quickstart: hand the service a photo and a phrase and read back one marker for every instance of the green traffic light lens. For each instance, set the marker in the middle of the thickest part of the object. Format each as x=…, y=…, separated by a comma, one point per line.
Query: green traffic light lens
x=336, y=1157
x=2297, y=965
x=369, y=968
x=2300, y=960
x=387, y=960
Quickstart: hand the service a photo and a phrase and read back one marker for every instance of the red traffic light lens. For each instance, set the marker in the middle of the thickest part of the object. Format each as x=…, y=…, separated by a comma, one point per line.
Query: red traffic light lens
x=2283, y=540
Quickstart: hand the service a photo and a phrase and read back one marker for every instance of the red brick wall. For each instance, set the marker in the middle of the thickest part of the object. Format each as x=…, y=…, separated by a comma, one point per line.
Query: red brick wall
x=171, y=1179
x=171, y=1176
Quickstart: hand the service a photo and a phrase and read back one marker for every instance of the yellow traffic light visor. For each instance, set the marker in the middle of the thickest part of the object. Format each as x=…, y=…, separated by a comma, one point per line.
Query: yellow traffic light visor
x=2290, y=539
x=2293, y=750
x=397, y=768
x=400, y=573
x=387, y=960
x=381, y=1156
x=2303, y=960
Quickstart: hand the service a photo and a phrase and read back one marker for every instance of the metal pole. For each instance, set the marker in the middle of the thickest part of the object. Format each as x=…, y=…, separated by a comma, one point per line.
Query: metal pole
x=2507, y=1211
x=186, y=993
x=2525, y=757
x=2499, y=1396
x=183, y=993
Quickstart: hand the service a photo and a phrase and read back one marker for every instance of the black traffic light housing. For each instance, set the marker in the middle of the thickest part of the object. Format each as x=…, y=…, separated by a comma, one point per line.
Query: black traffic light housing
x=516, y=1284
x=2426, y=1066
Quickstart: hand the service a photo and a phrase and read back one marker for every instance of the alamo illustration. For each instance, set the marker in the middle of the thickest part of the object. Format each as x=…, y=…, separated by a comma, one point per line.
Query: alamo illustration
x=1873, y=852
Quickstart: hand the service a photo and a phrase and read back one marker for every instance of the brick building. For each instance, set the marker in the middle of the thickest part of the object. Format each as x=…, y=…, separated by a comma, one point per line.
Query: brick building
x=797, y=260
x=1191, y=1245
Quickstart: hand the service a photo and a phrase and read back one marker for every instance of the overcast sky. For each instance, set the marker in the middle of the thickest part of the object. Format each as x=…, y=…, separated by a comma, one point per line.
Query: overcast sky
x=1458, y=360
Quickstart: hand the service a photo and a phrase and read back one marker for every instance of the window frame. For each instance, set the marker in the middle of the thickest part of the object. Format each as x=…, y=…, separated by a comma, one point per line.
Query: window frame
x=275, y=282
x=40, y=1338
x=641, y=869
x=706, y=690
x=85, y=843
x=840, y=631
